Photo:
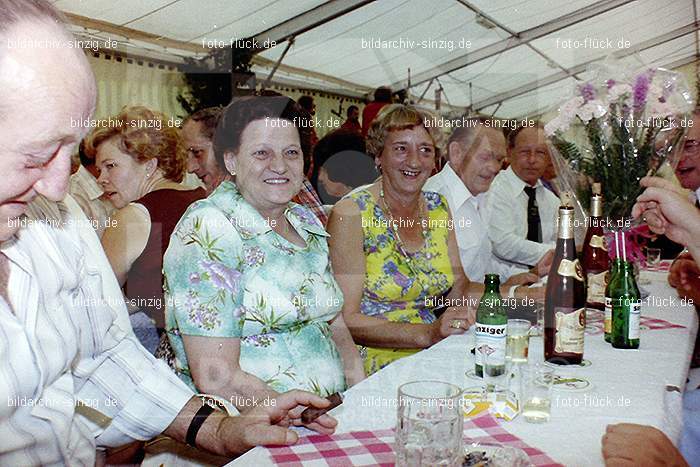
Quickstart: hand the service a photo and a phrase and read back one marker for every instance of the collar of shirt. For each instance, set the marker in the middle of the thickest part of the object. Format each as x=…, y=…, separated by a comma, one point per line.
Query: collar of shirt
x=517, y=184
x=87, y=182
x=697, y=194
x=249, y=222
x=448, y=183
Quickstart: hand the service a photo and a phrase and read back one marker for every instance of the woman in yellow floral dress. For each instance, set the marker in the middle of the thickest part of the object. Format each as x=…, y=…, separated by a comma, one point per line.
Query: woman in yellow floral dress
x=392, y=250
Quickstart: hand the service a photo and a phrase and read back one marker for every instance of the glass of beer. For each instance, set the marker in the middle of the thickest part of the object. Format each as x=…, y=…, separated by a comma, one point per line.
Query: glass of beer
x=429, y=424
x=536, y=392
x=518, y=340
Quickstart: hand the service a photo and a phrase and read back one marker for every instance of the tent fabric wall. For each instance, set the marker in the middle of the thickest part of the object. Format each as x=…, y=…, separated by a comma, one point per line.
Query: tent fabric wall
x=121, y=83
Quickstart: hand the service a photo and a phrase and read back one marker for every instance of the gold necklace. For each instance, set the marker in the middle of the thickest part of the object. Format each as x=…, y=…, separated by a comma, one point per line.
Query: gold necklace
x=399, y=242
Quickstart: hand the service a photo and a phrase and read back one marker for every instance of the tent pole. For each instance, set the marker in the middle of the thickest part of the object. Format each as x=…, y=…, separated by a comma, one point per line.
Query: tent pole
x=277, y=64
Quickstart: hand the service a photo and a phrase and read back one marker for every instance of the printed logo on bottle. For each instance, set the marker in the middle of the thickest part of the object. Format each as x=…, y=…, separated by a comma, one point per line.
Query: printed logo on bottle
x=635, y=315
x=491, y=341
x=596, y=287
x=571, y=269
x=608, y=315
x=569, y=331
x=598, y=242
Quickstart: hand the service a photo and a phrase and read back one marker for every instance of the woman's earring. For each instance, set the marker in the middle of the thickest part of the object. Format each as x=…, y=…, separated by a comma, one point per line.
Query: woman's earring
x=379, y=168
x=233, y=173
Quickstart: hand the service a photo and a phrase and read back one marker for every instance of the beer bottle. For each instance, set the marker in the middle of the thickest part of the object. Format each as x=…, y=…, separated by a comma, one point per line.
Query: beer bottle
x=608, y=300
x=595, y=260
x=626, y=308
x=565, y=299
x=490, y=329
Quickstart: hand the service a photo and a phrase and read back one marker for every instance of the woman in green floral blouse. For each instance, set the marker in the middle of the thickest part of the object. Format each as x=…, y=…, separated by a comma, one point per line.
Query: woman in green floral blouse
x=253, y=308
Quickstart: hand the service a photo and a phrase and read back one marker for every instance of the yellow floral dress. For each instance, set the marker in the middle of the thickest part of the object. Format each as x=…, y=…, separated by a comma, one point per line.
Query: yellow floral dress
x=397, y=287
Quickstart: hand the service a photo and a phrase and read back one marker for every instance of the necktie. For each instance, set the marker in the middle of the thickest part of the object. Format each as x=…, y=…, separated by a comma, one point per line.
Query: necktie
x=534, y=228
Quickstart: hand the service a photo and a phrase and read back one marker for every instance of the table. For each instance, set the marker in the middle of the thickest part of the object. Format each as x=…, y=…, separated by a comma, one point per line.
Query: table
x=628, y=385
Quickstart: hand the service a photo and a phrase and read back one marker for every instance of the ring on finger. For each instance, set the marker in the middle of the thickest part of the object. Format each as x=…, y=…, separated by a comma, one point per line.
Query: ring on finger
x=456, y=324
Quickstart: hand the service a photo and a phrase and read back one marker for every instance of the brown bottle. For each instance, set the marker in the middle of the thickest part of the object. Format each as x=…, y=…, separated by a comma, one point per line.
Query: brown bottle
x=565, y=299
x=595, y=261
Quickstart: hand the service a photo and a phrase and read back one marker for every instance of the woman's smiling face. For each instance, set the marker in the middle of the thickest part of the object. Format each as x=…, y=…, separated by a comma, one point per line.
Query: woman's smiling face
x=269, y=164
x=407, y=159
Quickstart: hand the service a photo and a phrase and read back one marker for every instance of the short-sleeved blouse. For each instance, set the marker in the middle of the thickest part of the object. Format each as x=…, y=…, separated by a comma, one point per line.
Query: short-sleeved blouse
x=228, y=274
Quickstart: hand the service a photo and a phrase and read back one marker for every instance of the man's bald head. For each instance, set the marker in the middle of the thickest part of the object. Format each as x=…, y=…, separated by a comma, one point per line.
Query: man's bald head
x=46, y=89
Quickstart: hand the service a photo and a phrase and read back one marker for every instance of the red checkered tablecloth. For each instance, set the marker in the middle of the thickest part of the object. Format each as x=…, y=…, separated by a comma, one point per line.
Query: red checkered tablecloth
x=595, y=323
x=376, y=447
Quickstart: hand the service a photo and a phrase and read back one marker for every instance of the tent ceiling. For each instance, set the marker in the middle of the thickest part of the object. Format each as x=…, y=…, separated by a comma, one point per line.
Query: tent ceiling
x=506, y=75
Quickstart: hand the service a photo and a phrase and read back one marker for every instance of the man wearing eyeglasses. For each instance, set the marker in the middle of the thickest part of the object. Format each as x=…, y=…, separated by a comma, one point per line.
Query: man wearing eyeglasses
x=688, y=169
x=522, y=212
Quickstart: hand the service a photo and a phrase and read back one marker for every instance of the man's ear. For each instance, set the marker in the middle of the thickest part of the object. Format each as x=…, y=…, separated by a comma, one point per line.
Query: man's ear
x=230, y=162
x=455, y=154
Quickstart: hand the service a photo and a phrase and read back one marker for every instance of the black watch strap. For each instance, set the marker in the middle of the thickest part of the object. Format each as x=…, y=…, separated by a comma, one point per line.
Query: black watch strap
x=197, y=422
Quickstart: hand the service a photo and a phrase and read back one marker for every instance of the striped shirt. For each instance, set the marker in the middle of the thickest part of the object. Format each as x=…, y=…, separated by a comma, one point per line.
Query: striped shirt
x=72, y=375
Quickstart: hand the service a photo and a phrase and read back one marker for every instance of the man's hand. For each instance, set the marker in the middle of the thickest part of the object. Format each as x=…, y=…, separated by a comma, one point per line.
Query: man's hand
x=267, y=425
x=524, y=278
x=685, y=278
x=632, y=445
x=543, y=265
x=667, y=210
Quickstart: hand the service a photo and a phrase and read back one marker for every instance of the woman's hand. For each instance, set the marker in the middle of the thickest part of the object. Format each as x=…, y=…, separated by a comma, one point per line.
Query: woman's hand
x=455, y=320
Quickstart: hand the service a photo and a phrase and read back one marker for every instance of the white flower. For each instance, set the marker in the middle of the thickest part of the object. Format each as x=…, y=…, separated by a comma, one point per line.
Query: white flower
x=661, y=109
x=592, y=109
x=618, y=90
x=555, y=125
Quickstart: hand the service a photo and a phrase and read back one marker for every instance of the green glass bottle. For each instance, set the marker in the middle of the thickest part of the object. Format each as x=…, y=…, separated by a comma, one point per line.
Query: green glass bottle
x=626, y=308
x=608, y=300
x=490, y=329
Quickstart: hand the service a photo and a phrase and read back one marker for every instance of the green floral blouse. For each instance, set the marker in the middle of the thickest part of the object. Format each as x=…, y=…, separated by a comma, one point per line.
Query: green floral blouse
x=228, y=274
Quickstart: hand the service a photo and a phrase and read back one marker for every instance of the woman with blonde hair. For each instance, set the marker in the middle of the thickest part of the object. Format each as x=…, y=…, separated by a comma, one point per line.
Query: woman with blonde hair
x=142, y=161
x=391, y=248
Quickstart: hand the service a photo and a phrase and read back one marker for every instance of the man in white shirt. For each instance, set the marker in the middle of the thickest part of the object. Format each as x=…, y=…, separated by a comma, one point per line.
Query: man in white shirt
x=74, y=377
x=475, y=154
x=522, y=212
x=87, y=193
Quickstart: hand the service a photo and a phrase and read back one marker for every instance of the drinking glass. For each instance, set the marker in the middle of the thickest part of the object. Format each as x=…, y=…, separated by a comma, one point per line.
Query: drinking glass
x=536, y=392
x=429, y=424
x=517, y=340
x=653, y=258
x=538, y=329
x=497, y=373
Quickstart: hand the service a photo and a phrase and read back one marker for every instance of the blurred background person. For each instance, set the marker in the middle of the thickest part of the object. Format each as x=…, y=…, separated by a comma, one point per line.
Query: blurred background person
x=341, y=165
x=522, y=212
x=307, y=131
x=87, y=192
x=253, y=308
x=392, y=249
x=197, y=133
x=382, y=97
x=142, y=162
x=352, y=123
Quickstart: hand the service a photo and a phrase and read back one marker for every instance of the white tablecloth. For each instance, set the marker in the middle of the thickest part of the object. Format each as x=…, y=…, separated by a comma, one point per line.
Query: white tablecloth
x=628, y=386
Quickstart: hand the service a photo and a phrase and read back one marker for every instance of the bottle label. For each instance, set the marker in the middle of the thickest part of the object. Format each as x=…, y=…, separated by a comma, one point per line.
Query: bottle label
x=635, y=310
x=569, y=333
x=598, y=242
x=596, y=287
x=491, y=341
x=608, y=315
x=571, y=269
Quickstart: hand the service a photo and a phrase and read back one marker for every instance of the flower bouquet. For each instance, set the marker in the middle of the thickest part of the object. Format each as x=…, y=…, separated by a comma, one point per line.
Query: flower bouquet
x=616, y=129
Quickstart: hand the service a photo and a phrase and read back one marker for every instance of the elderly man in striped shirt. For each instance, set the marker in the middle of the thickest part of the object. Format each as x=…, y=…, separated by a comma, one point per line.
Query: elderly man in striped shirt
x=74, y=377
